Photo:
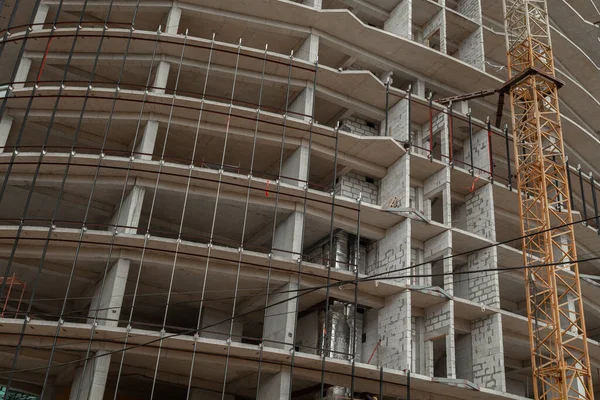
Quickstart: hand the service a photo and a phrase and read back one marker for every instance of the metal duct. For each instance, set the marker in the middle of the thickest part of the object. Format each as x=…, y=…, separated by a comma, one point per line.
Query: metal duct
x=337, y=332
x=340, y=339
x=340, y=243
x=362, y=262
x=354, y=346
x=334, y=393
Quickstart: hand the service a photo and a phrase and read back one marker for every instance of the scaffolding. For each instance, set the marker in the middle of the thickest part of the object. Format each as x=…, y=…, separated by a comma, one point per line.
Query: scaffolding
x=189, y=183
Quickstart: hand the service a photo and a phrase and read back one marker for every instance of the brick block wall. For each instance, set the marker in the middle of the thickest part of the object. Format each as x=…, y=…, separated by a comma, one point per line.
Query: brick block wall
x=481, y=155
x=476, y=214
x=488, y=352
x=436, y=182
x=437, y=246
x=400, y=20
x=437, y=317
x=395, y=328
x=397, y=122
x=470, y=50
x=359, y=126
x=483, y=287
x=393, y=251
x=470, y=9
x=352, y=185
x=396, y=184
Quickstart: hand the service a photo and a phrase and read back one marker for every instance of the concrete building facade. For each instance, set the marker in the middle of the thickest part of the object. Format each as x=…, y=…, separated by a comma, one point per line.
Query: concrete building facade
x=266, y=199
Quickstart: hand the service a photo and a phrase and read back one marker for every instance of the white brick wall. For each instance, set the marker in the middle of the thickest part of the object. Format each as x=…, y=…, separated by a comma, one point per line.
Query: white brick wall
x=397, y=122
x=470, y=50
x=396, y=184
x=483, y=287
x=395, y=326
x=400, y=20
x=359, y=126
x=470, y=8
x=393, y=251
x=352, y=185
x=488, y=352
x=476, y=215
x=481, y=156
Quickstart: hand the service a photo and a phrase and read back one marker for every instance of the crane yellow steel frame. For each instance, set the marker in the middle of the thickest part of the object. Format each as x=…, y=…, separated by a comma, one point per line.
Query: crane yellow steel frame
x=557, y=334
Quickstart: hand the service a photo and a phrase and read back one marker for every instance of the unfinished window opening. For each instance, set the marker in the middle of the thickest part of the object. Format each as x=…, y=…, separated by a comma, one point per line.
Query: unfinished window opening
x=437, y=208
x=464, y=356
x=418, y=332
x=437, y=272
x=439, y=357
x=433, y=143
x=433, y=40
x=460, y=280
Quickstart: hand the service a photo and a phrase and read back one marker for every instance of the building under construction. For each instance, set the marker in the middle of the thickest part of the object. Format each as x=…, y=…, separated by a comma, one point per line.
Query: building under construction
x=277, y=199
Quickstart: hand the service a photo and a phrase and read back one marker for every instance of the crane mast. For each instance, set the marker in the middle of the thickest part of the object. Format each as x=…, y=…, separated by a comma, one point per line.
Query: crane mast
x=557, y=333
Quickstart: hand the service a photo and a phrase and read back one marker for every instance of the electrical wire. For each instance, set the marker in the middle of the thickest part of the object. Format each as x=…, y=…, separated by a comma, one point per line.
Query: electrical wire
x=189, y=331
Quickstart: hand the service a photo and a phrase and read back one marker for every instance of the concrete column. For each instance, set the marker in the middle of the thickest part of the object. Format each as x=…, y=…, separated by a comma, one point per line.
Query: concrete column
x=397, y=122
x=438, y=185
x=301, y=107
x=22, y=72
x=163, y=67
x=309, y=49
x=437, y=23
x=5, y=125
x=90, y=384
x=129, y=216
x=394, y=250
x=395, y=329
x=108, y=303
x=276, y=387
x=201, y=394
x=173, y=19
x=288, y=236
x=296, y=166
x=400, y=20
x=394, y=190
x=161, y=77
x=471, y=49
x=439, y=325
x=279, y=332
x=488, y=352
x=438, y=247
x=419, y=88
x=280, y=322
x=40, y=17
x=145, y=147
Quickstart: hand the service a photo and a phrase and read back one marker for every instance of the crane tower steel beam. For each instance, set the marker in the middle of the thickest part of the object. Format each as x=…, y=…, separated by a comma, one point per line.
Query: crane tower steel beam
x=558, y=339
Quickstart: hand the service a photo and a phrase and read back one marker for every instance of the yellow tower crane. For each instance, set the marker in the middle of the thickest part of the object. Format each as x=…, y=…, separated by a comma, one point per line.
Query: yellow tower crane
x=557, y=333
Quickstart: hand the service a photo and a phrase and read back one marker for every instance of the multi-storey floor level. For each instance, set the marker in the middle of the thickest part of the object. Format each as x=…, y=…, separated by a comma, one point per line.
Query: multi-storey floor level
x=192, y=189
